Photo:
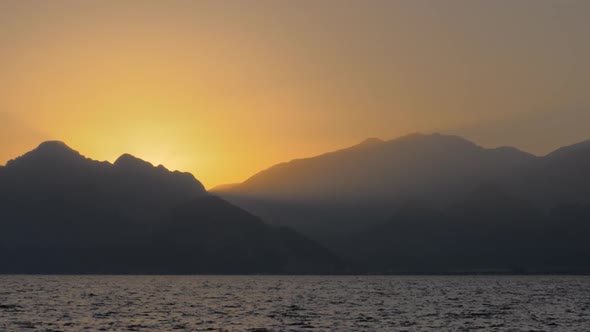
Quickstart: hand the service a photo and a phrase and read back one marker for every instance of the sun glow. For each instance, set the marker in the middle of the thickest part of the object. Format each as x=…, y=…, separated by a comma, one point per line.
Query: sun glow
x=225, y=89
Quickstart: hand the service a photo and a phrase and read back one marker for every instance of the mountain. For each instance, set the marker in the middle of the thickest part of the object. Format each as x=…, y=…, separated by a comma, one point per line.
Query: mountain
x=561, y=177
x=63, y=213
x=412, y=165
x=434, y=204
x=348, y=189
x=489, y=231
x=417, y=204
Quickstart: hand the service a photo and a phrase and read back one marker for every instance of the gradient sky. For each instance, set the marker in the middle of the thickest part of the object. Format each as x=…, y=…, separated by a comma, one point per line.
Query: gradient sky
x=223, y=89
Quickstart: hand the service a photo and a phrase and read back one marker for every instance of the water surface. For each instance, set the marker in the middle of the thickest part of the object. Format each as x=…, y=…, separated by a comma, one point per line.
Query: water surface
x=294, y=303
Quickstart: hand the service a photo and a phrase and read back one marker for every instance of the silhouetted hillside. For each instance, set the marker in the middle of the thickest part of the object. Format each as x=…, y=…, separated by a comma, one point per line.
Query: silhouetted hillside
x=487, y=231
x=63, y=213
x=217, y=236
x=434, y=203
x=561, y=177
x=412, y=165
x=352, y=188
x=430, y=203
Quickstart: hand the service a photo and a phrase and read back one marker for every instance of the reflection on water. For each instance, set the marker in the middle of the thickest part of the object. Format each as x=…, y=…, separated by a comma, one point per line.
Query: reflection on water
x=283, y=303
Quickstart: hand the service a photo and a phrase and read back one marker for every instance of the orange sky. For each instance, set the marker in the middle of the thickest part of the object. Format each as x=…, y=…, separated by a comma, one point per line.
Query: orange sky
x=226, y=88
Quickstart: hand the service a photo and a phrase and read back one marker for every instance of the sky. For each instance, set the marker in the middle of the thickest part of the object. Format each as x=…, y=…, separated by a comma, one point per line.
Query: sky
x=223, y=89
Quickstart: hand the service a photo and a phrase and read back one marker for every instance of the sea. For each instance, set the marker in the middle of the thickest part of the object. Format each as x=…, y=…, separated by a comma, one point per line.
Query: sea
x=294, y=303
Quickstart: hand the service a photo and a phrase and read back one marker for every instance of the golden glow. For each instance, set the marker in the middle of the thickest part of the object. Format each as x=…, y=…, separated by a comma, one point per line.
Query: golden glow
x=226, y=88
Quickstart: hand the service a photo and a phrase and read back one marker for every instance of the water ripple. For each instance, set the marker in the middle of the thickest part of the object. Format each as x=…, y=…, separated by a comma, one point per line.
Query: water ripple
x=294, y=303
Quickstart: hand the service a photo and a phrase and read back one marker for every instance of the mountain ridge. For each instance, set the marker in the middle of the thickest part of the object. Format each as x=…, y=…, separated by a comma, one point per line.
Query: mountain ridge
x=61, y=212
x=342, y=158
x=418, y=204
x=327, y=200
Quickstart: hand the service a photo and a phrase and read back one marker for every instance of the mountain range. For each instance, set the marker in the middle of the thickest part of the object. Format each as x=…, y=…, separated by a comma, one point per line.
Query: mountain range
x=417, y=204
x=433, y=203
x=63, y=213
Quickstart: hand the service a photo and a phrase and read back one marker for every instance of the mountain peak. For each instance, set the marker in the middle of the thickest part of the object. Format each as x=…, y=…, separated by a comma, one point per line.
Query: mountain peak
x=53, y=145
x=54, y=148
x=129, y=160
x=49, y=152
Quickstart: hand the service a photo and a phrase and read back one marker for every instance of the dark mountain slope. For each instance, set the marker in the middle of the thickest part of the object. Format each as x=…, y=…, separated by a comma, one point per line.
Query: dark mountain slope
x=222, y=238
x=489, y=231
x=63, y=213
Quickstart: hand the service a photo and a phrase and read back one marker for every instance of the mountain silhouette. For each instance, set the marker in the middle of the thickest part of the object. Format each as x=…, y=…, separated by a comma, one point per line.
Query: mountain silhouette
x=411, y=165
x=561, y=177
x=435, y=204
x=63, y=213
x=488, y=231
x=347, y=189
x=417, y=204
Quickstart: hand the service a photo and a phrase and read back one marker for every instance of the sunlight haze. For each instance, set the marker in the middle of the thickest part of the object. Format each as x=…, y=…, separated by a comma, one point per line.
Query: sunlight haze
x=223, y=92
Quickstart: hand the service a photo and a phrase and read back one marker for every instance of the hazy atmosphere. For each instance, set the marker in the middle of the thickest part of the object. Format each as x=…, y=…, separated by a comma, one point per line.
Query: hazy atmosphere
x=223, y=89
x=274, y=165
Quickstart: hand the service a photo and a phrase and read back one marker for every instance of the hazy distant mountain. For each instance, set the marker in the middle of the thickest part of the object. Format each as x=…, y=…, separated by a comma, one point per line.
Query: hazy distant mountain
x=63, y=213
x=348, y=189
x=414, y=165
x=434, y=203
x=561, y=177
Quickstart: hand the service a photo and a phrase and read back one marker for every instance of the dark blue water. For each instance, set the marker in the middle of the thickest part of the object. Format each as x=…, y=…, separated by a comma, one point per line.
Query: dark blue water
x=294, y=303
